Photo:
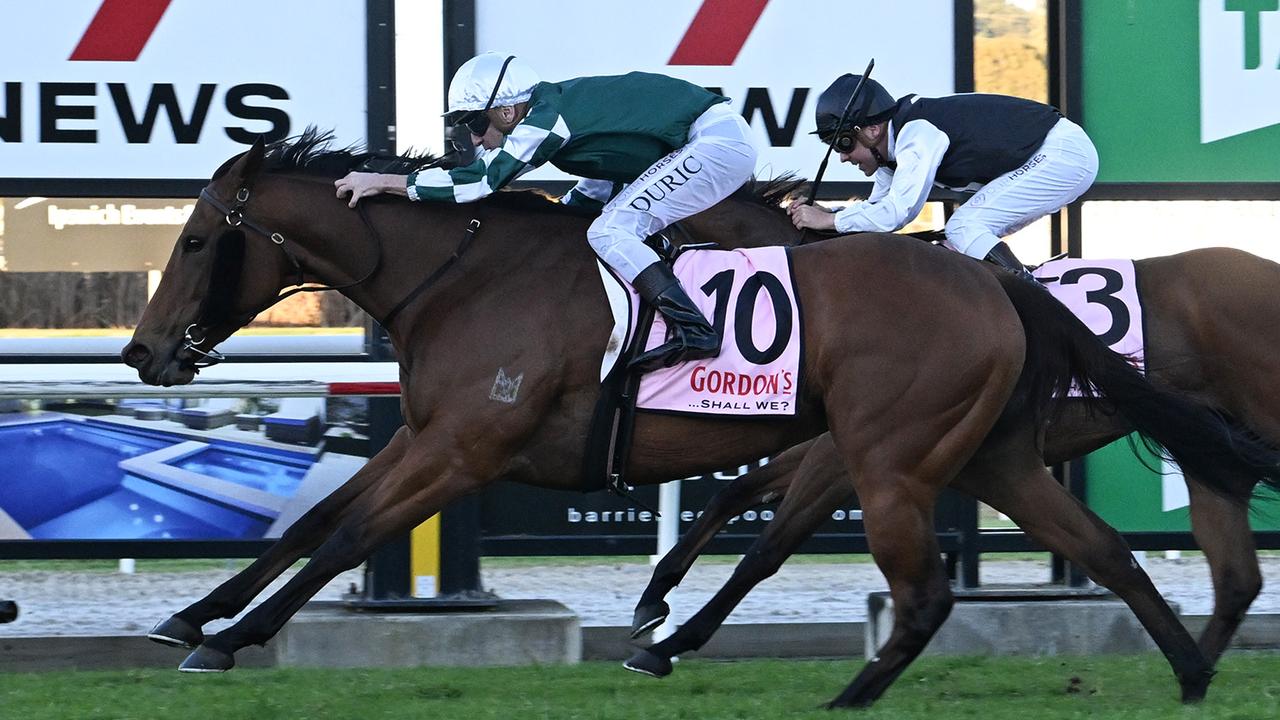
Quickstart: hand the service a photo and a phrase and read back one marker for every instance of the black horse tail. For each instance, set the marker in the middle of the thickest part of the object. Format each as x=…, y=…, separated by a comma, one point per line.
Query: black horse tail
x=1062, y=352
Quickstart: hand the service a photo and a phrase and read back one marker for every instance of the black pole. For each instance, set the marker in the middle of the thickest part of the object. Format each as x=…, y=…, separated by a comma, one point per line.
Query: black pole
x=380, y=60
x=386, y=575
x=460, y=522
x=459, y=47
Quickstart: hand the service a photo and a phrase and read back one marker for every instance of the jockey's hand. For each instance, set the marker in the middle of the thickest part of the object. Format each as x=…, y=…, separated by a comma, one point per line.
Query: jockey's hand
x=365, y=184
x=814, y=217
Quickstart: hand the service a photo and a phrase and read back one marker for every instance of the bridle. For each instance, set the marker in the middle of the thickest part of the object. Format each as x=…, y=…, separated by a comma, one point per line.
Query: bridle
x=236, y=217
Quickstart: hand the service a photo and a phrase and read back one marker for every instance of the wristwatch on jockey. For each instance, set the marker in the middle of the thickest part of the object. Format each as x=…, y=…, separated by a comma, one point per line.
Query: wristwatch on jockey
x=689, y=335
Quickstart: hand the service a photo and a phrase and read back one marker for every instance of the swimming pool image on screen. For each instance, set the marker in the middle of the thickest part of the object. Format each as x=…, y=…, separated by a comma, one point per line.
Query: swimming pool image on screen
x=69, y=477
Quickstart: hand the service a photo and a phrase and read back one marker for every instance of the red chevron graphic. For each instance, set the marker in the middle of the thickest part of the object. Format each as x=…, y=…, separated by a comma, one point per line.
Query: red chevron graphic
x=718, y=32
x=120, y=30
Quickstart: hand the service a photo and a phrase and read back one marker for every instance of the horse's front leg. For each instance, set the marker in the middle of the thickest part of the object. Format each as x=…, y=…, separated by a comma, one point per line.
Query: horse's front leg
x=430, y=474
x=821, y=485
x=184, y=628
x=898, y=520
x=757, y=487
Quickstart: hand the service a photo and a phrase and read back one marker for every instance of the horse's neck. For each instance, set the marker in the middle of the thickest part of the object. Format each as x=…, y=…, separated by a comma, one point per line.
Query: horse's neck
x=461, y=254
x=741, y=224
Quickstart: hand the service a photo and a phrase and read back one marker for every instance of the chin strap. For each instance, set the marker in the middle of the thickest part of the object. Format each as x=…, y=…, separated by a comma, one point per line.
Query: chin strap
x=881, y=160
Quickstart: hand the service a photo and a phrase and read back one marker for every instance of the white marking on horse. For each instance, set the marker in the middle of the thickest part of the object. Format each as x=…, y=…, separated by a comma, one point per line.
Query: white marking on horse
x=505, y=388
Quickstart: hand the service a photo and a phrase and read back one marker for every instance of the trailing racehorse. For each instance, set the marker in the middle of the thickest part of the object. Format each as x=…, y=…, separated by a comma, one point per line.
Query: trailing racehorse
x=909, y=369
x=1210, y=327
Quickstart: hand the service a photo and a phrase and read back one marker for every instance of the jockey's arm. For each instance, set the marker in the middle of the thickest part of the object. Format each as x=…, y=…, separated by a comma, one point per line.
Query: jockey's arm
x=591, y=193
x=527, y=147
x=899, y=195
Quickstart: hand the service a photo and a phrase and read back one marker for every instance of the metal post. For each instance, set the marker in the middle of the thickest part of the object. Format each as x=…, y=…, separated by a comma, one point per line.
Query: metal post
x=459, y=47
x=1065, y=233
x=668, y=520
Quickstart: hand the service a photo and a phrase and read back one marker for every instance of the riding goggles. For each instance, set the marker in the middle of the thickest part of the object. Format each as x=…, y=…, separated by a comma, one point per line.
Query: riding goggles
x=477, y=123
x=844, y=141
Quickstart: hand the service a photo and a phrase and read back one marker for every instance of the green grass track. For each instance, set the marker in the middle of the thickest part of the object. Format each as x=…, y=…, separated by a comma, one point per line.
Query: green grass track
x=1133, y=688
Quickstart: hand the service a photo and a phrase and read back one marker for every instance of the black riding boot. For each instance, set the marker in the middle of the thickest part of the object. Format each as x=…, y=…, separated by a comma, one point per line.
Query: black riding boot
x=1003, y=256
x=689, y=335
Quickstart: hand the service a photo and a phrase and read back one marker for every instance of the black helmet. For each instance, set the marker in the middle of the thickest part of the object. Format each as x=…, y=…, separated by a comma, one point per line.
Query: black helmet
x=873, y=105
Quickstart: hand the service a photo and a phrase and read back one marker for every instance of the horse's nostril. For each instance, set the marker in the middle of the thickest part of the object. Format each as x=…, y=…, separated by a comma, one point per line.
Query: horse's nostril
x=135, y=354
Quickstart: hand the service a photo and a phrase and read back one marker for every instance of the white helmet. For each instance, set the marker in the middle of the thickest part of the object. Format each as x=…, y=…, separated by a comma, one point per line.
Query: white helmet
x=488, y=80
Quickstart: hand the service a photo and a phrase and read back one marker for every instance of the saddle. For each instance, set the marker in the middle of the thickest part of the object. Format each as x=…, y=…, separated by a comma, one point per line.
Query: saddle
x=613, y=422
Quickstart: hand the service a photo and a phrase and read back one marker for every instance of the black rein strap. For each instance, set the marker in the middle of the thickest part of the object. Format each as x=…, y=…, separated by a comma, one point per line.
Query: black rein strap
x=473, y=227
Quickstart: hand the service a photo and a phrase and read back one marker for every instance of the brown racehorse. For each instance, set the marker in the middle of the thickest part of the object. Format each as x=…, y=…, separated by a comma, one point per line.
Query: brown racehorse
x=1210, y=324
x=908, y=371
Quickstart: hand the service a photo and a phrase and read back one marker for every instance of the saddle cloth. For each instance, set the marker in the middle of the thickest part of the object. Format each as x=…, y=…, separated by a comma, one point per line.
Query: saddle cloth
x=750, y=296
x=1104, y=295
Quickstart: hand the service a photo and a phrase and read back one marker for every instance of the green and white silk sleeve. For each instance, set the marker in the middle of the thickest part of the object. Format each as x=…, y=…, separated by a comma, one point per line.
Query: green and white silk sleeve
x=527, y=147
x=593, y=194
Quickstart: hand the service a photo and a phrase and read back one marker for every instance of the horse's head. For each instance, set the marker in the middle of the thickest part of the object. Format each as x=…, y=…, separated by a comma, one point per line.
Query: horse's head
x=214, y=283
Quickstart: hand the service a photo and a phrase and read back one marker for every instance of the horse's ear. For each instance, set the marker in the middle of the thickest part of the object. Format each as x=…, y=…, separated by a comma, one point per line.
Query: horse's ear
x=254, y=158
x=248, y=164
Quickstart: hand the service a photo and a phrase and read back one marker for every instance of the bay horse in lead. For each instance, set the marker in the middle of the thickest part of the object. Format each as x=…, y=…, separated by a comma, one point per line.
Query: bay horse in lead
x=912, y=355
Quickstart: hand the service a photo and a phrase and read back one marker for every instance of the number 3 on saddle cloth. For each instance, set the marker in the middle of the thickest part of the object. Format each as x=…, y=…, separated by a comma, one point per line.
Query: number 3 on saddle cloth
x=1104, y=294
x=750, y=298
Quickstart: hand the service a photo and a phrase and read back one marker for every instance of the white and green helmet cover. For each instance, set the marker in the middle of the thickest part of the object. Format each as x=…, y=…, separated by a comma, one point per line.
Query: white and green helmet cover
x=473, y=83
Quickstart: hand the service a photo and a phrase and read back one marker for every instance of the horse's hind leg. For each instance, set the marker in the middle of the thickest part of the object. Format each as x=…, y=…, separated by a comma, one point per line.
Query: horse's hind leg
x=820, y=486
x=183, y=628
x=1020, y=487
x=757, y=487
x=1221, y=528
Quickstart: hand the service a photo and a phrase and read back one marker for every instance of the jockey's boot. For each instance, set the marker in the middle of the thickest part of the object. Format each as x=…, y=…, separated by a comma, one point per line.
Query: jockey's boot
x=1003, y=256
x=689, y=335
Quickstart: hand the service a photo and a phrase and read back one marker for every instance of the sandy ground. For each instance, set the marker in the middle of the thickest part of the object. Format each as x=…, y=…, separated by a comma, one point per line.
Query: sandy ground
x=101, y=603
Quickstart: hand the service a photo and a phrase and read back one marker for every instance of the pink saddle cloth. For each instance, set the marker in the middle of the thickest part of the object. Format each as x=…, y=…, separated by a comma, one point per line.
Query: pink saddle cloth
x=749, y=295
x=1104, y=295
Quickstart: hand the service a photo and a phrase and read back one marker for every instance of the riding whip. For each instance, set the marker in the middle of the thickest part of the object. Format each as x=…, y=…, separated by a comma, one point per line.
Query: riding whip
x=844, y=117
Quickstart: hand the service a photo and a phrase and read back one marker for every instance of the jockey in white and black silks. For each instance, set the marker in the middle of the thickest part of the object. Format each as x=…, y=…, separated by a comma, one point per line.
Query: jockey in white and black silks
x=652, y=150
x=1021, y=159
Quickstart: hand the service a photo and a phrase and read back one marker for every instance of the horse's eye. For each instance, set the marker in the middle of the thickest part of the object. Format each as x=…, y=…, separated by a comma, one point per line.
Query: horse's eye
x=192, y=243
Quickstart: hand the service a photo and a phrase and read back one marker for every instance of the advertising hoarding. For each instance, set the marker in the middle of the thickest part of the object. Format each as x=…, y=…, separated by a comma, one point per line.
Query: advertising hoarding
x=771, y=58
x=1185, y=92
x=160, y=90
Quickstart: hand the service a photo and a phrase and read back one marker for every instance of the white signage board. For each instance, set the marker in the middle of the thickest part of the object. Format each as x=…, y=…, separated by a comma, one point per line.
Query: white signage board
x=771, y=57
x=169, y=89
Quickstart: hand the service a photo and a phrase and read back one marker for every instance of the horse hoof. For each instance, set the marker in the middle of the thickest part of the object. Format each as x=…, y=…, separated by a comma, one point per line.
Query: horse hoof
x=648, y=617
x=207, y=660
x=1194, y=689
x=647, y=663
x=176, y=632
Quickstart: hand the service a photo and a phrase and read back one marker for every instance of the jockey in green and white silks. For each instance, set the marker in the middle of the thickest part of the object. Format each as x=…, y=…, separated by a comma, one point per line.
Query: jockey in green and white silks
x=651, y=149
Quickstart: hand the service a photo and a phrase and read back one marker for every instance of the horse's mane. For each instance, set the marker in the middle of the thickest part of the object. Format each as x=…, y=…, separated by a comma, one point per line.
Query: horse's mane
x=771, y=193
x=311, y=154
